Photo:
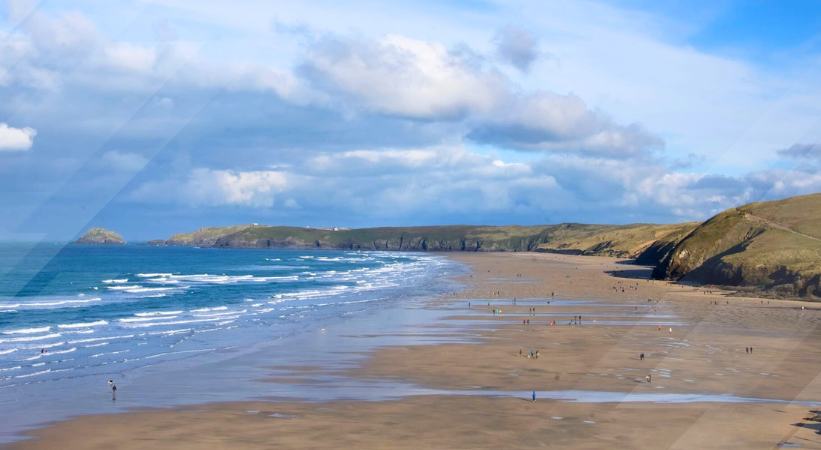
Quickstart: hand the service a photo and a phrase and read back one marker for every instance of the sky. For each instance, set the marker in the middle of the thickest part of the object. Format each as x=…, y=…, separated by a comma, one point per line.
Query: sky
x=153, y=117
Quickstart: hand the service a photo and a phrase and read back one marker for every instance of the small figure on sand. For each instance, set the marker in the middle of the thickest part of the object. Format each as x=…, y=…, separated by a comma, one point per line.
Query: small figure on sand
x=533, y=396
x=113, y=390
x=649, y=378
x=641, y=357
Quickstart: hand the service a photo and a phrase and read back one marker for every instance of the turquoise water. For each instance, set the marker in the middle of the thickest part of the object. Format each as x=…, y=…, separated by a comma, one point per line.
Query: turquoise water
x=76, y=311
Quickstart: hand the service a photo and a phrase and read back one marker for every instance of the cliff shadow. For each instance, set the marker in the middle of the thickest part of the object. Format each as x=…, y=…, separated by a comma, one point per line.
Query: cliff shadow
x=634, y=273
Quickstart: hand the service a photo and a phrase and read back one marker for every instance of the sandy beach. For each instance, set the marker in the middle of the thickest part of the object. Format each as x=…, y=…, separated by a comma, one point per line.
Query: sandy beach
x=702, y=348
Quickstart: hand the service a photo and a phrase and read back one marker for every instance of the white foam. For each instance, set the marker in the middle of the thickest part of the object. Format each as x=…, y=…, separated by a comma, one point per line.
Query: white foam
x=28, y=330
x=116, y=281
x=146, y=319
x=31, y=338
x=101, y=344
x=32, y=305
x=148, y=290
x=169, y=332
x=97, y=355
x=178, y=322
x=158, y=313
x=44, y=346
x=60, y=352
x=6, y=352
x=216, y=308
x=179, y=352
x=82, y=341
x=96, y=323
x=33, y=374
x=218, y=314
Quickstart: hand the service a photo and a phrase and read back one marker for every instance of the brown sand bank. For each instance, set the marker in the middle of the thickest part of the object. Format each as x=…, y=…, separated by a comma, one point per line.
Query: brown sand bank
x=704, y=353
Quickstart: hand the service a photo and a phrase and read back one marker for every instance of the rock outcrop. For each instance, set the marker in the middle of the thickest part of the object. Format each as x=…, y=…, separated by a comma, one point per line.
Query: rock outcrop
x=100, y=236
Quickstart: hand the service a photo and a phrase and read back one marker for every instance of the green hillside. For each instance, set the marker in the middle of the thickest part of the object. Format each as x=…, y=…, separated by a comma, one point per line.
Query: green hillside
x=773, y=246
x=611, y=240
x=769, y=246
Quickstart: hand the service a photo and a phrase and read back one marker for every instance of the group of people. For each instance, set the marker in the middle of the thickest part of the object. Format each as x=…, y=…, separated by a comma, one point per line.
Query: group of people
x=530, y=354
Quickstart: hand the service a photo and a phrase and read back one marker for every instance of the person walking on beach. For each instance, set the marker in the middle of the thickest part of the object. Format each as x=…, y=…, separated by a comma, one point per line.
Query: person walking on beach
x=641, y=357
x=113, y=390
x=533, y=396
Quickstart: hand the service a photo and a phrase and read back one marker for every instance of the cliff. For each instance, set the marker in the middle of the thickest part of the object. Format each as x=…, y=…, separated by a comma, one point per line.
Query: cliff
x=769, y=246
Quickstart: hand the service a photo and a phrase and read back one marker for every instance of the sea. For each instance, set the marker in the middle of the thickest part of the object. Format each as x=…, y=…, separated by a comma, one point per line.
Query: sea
x=180, y=325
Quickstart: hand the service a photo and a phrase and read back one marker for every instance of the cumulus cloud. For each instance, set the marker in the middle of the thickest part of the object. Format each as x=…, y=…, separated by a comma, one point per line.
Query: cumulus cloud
x=426, y=81
x=802, y=151
x=16, y=139
x=547, y=121
x=517, y=47
x=208, y=187
x=402, y=76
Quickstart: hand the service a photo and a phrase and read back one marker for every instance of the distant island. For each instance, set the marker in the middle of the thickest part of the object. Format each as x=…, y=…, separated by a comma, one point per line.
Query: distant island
x=100, y=236
x=770, y=247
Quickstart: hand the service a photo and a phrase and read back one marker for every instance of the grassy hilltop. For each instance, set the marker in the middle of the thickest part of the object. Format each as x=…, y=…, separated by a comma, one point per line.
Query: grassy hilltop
x=769, y=246
x=613, y=240
x=774, y=246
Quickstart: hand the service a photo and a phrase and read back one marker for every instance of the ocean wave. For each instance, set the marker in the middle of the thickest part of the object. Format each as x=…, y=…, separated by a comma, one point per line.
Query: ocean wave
x=61, y=352
x=116, y=281
x=170, y=332
x=179, y=352
x=216, y=308
x=7, y=351
x=145, y=319
x=41, y=346
x=157, y=313
x=178, y=322
x=31, y=338
x=58, y=303
x=98, y=339
x=98, y=355
x=218, y=314
x=28, y=330
x=96, y=323
x=101, y=344
x=34, y=374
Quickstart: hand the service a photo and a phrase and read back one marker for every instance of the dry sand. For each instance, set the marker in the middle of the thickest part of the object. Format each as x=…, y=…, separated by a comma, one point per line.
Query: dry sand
x=705, y=354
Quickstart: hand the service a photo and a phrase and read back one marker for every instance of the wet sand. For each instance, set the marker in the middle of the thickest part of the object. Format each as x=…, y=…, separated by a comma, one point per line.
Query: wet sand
x=703, y=353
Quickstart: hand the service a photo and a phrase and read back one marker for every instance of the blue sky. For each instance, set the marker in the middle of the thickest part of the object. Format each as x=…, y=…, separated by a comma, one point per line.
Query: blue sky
x=152, y=117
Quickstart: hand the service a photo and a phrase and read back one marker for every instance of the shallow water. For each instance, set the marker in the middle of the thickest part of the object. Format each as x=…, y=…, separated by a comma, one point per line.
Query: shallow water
x=180, y=325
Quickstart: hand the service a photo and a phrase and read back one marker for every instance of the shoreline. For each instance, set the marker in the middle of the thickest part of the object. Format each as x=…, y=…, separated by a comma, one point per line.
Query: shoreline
x=594, y=356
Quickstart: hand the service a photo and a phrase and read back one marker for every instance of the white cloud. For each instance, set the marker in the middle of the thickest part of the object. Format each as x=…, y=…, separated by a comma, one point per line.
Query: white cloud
x=207, y=187
x=397, y=75
x=423, y=80
x=16, y=139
